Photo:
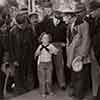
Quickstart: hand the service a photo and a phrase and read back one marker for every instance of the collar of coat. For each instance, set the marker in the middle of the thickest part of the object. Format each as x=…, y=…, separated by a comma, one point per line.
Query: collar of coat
x=79, y=20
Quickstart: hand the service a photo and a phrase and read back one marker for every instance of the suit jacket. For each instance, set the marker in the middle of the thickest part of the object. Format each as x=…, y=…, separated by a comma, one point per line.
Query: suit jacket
x=21, y=43
x=57, y=32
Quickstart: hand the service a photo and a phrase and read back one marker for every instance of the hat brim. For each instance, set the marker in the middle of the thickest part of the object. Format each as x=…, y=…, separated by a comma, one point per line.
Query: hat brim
x=69, y=11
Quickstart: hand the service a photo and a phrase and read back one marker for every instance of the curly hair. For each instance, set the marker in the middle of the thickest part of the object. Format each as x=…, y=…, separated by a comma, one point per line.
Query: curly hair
x=41, y=36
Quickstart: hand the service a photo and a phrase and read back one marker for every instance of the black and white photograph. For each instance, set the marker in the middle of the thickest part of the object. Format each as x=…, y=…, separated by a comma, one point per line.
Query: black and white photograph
x=49, y=49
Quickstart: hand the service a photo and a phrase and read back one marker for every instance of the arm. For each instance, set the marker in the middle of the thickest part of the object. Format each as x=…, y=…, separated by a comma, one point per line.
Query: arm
x=37, y=53
x=53, y=50
x=12, y=47
x=85, y=39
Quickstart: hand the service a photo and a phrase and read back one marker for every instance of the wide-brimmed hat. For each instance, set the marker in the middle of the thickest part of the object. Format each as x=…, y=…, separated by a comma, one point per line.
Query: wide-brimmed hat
x=69, y=10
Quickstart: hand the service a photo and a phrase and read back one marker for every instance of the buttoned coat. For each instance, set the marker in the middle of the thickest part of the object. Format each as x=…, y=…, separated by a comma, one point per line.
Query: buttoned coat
x=80, y=44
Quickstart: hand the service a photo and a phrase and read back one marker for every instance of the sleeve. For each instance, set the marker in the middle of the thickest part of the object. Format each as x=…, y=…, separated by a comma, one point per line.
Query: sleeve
x=85, y=39
x=12, y=46
x=53, y=49
x=37, y=53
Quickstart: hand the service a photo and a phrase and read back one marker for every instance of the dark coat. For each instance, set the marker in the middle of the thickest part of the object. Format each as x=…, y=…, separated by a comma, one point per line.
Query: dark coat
x=2, y=75
x=21, y=43
x=80, y=45
x=58, y=32
x=95, y=39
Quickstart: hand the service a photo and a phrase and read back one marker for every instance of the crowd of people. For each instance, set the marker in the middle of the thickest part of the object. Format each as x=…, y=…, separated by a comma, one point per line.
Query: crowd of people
x=62, y=49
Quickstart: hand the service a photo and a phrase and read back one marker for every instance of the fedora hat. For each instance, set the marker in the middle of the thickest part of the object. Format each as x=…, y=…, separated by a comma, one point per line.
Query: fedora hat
x=76, y=8
x=79, y=7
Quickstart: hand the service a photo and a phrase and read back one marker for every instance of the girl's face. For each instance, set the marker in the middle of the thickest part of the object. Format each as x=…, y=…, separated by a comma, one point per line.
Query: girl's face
x=45, y=38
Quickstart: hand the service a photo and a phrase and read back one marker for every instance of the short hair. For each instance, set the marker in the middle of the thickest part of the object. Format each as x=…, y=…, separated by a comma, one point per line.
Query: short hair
x=42, y=34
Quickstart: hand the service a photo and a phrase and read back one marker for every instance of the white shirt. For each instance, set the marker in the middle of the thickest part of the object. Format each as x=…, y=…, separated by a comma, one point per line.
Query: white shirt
x=55, y=21
x=44, y=55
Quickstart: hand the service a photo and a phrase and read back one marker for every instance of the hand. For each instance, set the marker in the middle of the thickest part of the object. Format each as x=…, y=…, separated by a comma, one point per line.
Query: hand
x=16, y=63
x=63, y=44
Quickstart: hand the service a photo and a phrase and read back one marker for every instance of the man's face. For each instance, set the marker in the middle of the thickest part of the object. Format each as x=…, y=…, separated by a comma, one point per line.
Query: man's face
x=66, y=18
x=34, y=19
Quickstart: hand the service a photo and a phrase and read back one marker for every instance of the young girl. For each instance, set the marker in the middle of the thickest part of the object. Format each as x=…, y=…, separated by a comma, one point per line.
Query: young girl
x=45, y=67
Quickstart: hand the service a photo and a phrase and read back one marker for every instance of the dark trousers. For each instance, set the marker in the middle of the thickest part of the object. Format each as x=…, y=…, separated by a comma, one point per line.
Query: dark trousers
x=80, y=81
x=98, y=94
x=59, y=68
x=19, y=79
x=2, y=80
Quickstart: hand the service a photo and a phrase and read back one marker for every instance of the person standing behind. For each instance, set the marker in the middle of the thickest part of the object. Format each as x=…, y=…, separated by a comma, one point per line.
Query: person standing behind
x=93, y=18
x=45, y=67
x=2, y=74
x=21, y=41
x=34, y=20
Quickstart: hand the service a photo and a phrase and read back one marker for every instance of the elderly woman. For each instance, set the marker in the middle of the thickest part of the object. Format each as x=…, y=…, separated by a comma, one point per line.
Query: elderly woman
x=78, y=46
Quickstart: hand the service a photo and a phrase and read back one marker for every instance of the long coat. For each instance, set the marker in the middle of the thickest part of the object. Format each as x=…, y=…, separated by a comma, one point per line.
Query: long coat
x=21, y=50
x=21, y=43
x=95, y=68
x=80, y=45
